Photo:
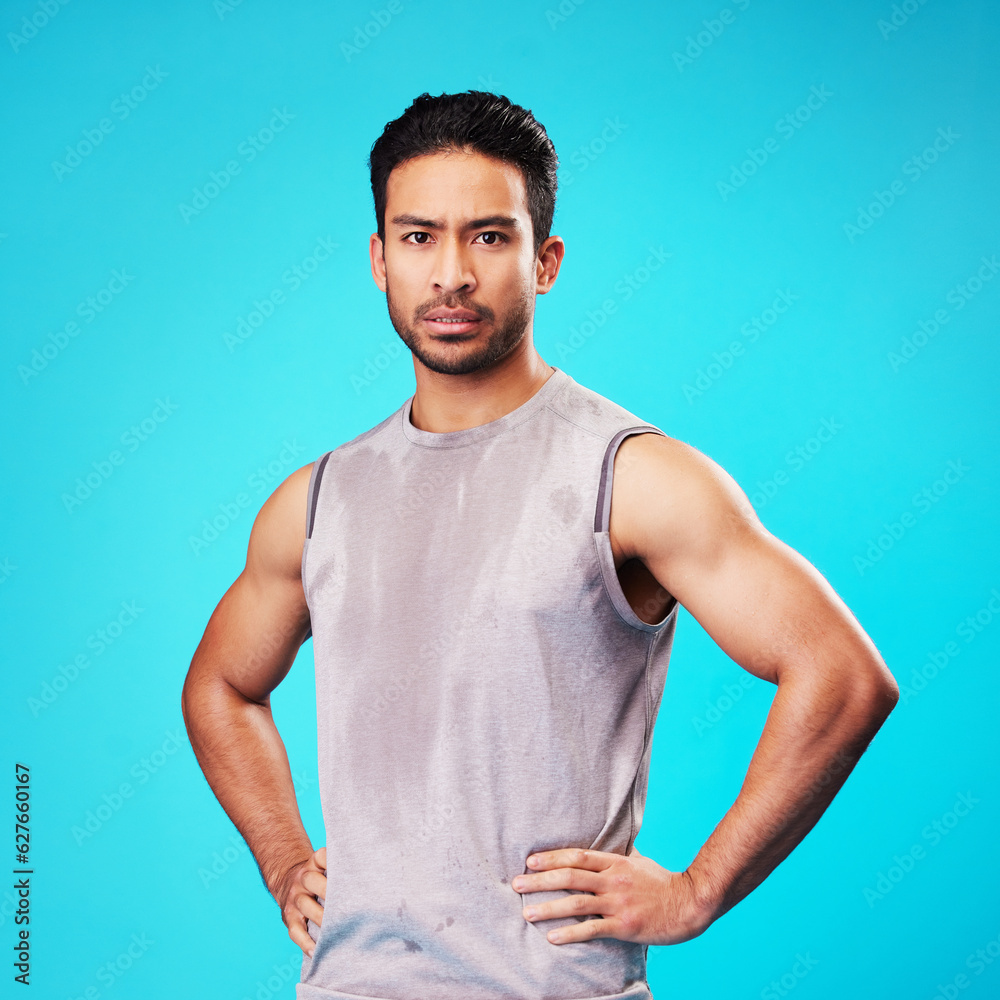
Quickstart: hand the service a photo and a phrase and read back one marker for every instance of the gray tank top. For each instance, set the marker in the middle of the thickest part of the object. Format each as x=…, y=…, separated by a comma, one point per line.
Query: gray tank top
x=484, y=690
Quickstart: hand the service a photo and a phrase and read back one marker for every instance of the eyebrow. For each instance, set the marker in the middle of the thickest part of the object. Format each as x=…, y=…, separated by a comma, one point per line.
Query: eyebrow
x=496, y=221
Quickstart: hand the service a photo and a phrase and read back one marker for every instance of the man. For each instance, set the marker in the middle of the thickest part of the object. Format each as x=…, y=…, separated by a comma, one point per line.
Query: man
x=491, y=631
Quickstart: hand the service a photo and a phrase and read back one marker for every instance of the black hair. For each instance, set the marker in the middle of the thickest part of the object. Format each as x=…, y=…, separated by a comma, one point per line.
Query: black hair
x=479, y=121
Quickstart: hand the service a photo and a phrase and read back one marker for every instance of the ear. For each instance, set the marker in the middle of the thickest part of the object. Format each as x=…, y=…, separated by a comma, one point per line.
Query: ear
x=377, y=254
x=550, y=256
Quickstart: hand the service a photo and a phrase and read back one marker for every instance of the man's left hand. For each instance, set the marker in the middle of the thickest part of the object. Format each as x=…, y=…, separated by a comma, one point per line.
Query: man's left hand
x=637, y=899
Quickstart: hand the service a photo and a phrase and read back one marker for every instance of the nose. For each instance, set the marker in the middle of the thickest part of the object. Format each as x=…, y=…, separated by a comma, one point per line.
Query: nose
x=453, y=271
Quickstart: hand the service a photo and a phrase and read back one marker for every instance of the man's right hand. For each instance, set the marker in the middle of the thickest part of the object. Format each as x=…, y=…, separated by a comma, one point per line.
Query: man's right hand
x=248, y=647
x=296, y=895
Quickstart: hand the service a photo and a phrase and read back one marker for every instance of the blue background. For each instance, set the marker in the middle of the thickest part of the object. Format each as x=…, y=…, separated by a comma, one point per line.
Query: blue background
x=692, y=97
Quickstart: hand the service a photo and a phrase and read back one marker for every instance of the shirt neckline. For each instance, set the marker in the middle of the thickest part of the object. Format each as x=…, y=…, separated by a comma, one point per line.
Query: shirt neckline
x=472, y=435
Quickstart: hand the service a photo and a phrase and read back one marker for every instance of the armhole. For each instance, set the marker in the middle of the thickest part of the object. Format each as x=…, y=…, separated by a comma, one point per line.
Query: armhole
x=602, y=536
x=315, y=478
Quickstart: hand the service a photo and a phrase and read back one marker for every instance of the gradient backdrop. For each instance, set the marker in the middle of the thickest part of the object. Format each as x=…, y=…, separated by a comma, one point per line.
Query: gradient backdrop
x=783, y=240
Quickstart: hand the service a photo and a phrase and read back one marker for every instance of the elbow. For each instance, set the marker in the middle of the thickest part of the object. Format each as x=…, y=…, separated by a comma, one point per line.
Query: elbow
x=885, y=698
x=187, y=702
x=196, y=700
x=890, y=693
x=877, y=694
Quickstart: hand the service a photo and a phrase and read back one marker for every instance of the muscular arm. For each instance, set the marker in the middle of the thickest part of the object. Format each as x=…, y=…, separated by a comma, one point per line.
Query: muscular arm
x=776, y=616
x=247, y=649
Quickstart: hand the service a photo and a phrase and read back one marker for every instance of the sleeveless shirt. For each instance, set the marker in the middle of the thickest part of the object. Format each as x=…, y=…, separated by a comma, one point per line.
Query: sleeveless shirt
x=484, y=691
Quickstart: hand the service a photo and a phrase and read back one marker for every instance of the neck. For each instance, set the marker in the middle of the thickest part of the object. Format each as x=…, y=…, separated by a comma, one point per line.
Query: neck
x=445, y=403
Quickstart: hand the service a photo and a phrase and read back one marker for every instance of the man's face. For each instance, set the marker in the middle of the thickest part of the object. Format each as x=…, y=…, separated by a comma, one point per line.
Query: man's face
x=458, y=266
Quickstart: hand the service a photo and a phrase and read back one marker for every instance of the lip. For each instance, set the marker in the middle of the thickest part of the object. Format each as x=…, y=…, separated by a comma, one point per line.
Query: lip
x=443, y=312
x=438, y=325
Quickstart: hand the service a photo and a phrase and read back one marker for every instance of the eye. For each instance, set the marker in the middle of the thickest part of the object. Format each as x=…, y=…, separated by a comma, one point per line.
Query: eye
x=406, y=238
x=498, y=238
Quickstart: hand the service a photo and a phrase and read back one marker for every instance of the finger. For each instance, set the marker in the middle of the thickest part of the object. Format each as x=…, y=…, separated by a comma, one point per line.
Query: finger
x=573, y=857
x=300, y=935
x=315, y=882
x=585, y=930
x=560, y=878
x=308, y=907
x=320, y=858
x=578, y=904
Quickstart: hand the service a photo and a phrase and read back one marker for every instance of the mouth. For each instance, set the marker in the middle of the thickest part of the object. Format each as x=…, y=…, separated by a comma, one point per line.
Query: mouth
x=446, y=324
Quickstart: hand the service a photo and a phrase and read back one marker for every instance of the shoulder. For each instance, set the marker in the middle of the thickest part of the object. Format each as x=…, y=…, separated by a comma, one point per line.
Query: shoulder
x=589, y=411
x=279, y=530
x=650, y=457
x=666, y=492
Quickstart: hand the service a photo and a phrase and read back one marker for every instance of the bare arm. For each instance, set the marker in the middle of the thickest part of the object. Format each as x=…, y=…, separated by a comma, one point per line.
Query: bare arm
x=247, y=649
x=776, y=616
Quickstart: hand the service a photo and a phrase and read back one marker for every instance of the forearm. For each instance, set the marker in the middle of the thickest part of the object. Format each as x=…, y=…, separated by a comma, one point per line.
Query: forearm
x=244, y=760
x=814, y=735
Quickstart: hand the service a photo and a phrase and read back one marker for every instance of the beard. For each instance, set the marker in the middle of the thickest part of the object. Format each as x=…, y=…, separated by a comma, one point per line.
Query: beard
x=504, y=337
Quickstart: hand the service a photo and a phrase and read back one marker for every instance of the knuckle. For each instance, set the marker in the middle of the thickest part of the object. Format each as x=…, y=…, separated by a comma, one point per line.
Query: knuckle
x=629, y=920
